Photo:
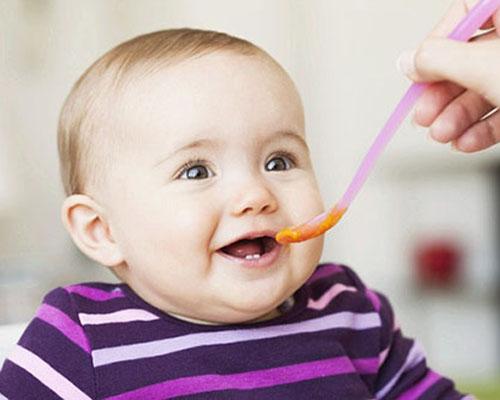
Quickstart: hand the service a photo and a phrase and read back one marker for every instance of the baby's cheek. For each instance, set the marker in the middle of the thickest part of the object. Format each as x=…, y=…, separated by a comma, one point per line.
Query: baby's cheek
x=191, y=219
x=308, y=202
x=193, y=226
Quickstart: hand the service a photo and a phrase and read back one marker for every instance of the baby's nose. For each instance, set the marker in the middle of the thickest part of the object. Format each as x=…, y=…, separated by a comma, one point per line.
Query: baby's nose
x=254, y=198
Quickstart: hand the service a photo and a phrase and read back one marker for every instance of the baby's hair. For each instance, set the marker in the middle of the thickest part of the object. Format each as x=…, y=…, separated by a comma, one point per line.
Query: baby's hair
x=84, y=138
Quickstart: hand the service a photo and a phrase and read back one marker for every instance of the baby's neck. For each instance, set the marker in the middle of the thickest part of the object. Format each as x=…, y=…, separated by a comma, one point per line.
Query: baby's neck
x=272, y=314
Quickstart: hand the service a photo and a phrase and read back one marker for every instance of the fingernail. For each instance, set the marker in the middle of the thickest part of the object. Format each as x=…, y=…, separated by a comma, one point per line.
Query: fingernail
x=413, y=120
x=406, y=62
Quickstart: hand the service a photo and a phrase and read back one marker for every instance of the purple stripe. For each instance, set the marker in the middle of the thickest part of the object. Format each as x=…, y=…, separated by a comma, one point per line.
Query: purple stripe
x=366, y=365
x=416, y=391
x=374, y=299
x=323, y=271
x=93, y=293
x=242, y=381
x=64, y=324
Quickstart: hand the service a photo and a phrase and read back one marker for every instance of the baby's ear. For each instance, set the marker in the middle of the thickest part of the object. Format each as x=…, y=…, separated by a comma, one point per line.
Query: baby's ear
x=86, y=223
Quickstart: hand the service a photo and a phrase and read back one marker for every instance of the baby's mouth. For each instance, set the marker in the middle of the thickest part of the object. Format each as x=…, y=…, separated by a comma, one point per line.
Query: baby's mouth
x=250, y=249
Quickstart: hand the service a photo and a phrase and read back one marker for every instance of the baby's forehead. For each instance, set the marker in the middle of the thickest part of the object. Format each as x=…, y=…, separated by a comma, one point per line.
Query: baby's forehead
x=213, y=88
x=223, y=65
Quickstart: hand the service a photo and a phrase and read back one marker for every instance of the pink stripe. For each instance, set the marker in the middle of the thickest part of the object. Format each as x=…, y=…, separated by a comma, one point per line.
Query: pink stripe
x=246, y=380
x=323, y=271
x=416, y=391
x=366, y=365
x=46, y=374
x=374, y=299
x=329, y=295
x=93, y=293
x=64, y=324
x=383, y=355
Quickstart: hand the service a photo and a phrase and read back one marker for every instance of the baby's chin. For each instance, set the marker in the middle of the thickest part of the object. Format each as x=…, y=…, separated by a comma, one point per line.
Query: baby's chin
x=257, y=308
x=243, y=310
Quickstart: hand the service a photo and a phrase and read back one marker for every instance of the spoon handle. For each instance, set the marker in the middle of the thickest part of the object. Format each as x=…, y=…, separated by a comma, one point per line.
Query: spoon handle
x=323, y=222
x=462, y=32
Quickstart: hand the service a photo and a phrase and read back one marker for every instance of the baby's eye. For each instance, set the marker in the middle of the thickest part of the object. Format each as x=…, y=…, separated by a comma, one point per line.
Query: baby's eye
x=195, y=170
x=280, y=163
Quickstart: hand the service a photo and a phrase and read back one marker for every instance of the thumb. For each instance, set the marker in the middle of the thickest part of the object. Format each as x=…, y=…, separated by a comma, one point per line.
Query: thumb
x=473, y=65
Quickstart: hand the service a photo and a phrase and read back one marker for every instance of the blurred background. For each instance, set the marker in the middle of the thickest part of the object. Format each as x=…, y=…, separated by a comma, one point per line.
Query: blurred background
x=425, y=229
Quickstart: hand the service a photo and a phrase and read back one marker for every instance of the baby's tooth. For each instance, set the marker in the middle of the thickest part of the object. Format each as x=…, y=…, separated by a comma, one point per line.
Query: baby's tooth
x=252, y=256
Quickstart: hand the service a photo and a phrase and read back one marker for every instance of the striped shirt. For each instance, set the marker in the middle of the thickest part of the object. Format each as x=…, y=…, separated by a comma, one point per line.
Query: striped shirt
x=337, y=339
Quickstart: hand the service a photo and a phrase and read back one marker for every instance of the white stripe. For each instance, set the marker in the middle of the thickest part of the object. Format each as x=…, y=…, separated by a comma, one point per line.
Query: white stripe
x=415, y=355
x=155, y=348
x=2, y=397
x=47, y=375
x=129, y=315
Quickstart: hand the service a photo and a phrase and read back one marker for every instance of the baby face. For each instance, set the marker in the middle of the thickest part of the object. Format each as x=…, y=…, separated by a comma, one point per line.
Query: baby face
x=214, y=165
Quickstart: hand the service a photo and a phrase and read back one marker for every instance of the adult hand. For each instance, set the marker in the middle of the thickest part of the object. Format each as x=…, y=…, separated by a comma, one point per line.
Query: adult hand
x=461, y=105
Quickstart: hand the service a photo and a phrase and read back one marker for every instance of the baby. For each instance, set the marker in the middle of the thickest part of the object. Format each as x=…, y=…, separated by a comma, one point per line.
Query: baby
x=183, y=152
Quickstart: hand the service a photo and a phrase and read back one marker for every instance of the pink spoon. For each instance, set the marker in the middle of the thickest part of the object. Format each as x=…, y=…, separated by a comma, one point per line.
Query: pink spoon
x=321, y=223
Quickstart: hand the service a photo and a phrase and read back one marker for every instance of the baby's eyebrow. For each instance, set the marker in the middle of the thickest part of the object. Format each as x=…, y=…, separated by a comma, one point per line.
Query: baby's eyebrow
x=288, y=134
x=195, y=144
